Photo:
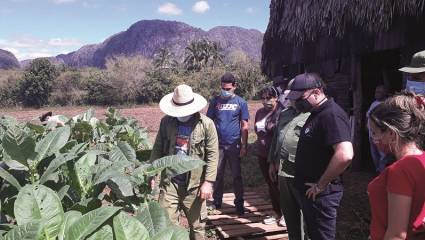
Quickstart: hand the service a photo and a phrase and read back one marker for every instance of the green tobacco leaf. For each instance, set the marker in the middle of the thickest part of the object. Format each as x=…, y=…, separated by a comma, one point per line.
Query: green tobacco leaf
x=153, y=217
x=69, y=218
x=104, y=233
x=29, y=231
x=38, y=202
x=55, y=164
x=52, y=143
x=122, y=152
x=172, y=233
x=18, y=145
x=110, y=171
x=175, y=165
x=127, y=227
x=9, y=178
x=89, y=222
x=12, y=164
x=83, y=170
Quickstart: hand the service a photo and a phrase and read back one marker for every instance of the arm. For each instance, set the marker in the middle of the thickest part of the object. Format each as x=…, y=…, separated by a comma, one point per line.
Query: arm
x=244, y=137
x=211, y=152
x=343, y=154
x=211, y=157
x=398, y=216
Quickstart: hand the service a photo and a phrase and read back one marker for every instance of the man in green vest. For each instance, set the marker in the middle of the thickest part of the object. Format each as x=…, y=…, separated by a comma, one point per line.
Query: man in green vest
x=184, y=130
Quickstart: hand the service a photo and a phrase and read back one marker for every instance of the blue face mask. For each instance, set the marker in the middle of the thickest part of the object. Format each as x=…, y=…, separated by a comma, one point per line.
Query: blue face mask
x=415, y=86
x=225, y=93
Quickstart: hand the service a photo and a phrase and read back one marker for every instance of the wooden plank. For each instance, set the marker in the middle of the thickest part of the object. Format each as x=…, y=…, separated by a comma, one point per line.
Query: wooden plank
x=239, y=230
x=230, y=198
x=248, y=203
x=249, y=214
x=230, y=221
x=283, y=236
x=249, y=209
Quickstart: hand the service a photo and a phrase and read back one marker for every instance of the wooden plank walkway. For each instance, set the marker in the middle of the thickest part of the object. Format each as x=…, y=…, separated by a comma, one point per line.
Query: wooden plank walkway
x=249, y=226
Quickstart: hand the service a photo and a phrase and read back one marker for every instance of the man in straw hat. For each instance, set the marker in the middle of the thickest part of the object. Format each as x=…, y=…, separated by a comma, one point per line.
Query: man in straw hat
x=416, y=73
x=184, y=130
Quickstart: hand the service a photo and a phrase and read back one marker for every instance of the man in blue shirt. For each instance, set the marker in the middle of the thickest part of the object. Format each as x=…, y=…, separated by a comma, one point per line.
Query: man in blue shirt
x=230, y=115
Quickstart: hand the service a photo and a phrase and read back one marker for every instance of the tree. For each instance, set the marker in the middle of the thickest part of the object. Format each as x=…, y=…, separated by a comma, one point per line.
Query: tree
x=164, y=59
x=202, y=53
x=37, y=83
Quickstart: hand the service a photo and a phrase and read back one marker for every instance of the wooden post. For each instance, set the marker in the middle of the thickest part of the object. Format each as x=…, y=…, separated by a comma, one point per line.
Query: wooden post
x=356, y=81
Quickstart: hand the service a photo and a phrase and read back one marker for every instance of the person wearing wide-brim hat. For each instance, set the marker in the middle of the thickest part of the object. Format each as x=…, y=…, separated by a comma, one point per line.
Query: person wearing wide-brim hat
x=416, y=73
x=184, y=130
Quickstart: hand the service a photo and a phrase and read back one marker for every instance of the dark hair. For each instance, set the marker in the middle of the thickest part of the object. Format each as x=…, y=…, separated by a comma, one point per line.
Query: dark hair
x=228, y=78
x=404, y=113
x=270, y=91
x=44, y=116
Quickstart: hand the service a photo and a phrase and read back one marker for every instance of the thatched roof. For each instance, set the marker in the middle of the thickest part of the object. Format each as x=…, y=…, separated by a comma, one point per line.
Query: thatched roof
x=298, y=24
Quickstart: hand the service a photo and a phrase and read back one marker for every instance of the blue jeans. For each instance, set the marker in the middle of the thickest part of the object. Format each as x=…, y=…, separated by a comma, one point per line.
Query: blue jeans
x=229, y=154
x=320, y=215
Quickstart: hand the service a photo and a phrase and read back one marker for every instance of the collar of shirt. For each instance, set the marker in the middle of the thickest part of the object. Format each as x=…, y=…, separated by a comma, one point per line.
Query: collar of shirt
x=324, y=105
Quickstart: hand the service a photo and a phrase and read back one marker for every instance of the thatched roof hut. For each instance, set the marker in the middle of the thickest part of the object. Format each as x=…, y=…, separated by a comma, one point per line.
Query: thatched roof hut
x=354, y=44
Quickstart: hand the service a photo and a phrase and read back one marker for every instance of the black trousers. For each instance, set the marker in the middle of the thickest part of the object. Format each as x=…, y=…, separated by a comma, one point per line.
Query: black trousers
x=229, y=154
x=320, y=215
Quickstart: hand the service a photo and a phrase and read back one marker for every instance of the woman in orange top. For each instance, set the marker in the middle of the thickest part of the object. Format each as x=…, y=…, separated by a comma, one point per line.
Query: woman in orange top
x=397, y=195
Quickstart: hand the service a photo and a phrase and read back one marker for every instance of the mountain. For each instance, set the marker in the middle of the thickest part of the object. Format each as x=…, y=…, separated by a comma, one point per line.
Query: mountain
x=8, y=60
x=147, y=36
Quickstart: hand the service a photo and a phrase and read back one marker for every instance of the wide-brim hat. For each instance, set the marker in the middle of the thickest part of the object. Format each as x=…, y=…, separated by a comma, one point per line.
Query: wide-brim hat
x=417, y=64
x=182, y=102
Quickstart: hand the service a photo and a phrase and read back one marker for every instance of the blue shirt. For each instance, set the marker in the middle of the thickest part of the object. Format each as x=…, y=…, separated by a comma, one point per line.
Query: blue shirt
x=227, y=115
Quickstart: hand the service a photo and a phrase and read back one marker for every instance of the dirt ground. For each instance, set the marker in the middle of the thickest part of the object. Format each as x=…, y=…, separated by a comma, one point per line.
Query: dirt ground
x=353, y=215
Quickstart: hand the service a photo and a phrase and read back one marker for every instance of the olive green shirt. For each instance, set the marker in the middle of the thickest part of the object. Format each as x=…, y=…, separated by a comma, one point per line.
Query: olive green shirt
x=285, y=140
x=203, y=144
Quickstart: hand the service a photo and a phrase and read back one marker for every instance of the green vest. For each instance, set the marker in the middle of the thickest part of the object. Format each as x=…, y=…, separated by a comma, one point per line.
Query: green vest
x=285, y=140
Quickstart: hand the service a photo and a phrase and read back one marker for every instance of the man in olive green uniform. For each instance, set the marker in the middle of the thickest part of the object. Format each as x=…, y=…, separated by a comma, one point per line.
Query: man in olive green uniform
x=186, y=131
x=282, y=159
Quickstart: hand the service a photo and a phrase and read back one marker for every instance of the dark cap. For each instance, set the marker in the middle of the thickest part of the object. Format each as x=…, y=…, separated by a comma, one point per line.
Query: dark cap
x=302, y=83
x=228, y=78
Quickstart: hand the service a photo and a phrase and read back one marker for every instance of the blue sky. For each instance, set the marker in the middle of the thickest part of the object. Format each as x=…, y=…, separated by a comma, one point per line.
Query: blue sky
x=39, y=28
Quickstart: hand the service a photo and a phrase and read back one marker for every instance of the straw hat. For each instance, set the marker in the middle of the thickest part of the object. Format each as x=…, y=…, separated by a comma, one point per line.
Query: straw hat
x=417, y=64
x=182, y=102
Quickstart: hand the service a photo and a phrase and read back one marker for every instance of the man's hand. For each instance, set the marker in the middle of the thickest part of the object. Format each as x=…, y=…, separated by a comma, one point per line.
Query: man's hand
x=243, y=151
x=313, y=191
x=206, y=190
x=273, y=169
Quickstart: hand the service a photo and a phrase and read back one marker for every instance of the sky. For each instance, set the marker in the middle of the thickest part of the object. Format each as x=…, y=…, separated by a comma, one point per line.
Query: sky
x=42, y=28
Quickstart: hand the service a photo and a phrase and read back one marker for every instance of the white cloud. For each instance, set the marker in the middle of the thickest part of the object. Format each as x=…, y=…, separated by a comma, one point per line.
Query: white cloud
x=28, y=47
x=60, y=42
x=200, y=7
x=62, y=1
x=249, y=10
x=169, y=9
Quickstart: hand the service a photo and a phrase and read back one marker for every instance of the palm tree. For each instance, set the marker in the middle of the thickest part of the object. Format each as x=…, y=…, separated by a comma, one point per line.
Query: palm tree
x=202, y=53
x=164, y=59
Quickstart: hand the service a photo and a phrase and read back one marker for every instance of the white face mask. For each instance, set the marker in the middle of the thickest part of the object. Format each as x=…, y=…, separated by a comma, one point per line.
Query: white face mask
x=415, y=86
x=184, y=119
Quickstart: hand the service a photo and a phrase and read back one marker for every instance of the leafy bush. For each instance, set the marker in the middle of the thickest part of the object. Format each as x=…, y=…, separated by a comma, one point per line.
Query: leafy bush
x=9, y=87
x=37, y=83
x=59, y=180
x=100, y=91
x=68, y=89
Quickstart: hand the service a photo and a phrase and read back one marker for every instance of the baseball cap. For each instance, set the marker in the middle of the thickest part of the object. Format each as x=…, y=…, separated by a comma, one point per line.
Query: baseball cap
x=303, y=82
